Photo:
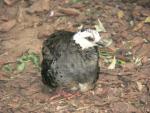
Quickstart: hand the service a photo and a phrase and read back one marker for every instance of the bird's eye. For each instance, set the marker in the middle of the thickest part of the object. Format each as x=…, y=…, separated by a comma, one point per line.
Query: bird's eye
x=90, y=39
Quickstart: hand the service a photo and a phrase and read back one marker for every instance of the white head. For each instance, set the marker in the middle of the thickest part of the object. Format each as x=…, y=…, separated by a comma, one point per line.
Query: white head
x=87, y=38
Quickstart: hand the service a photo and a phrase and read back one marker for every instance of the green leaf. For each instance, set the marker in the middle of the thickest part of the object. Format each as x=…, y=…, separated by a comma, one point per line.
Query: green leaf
x=7, y=68
x=28, y=57
x=23, y=58
x=21, y=66
x=75, y=1
x=120, y=62
x=34, y=58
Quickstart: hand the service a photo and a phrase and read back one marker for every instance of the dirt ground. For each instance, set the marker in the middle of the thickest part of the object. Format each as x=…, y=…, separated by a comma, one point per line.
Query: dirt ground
x=25, y=24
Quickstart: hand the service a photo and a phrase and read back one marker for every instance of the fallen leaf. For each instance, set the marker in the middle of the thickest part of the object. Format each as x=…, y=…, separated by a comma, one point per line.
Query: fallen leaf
x=144, y=50
x=6, y=26
x=139, y=86
x=34, y=58
x=113, y=63
x=145, y=59
x=131, y=23
x=128, y=66
x=10, y=2
x=136, y=12
x=137, y=41
x=78, y=6
x=39, y=6
x=120, y=62
x=122, y=107
x=145, y=12
x=138, y=26
x=7, y=68
x=99, y=27
x=76, y=1
x=20, y=15
x=69, y=11
x=21, y=66
x=147, y=20
x=107, y=42
x=120, y=14
x=138, y=61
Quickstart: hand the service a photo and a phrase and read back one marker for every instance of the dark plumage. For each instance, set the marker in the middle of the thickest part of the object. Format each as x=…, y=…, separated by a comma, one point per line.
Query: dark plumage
x=66, y=64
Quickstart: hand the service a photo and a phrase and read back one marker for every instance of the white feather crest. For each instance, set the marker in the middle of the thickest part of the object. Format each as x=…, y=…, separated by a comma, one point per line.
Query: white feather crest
x=80, y=38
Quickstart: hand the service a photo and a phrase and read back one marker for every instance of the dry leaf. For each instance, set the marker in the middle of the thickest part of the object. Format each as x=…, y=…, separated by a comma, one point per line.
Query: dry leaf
x=39, y=6
x=6, y=26
x=69, y=11
x=138, y=61
x=120, y=14
x=138, y=26
x=147, y=20
x=145, y=59
x=139, y=85
x=100, y=27
x=10, y=2
x=113, y=64
x=20, y=14
x=137, y=41
x=128, y=66
x=123, y=107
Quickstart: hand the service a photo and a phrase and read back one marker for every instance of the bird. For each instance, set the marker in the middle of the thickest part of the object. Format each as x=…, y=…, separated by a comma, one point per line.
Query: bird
x=71, y=60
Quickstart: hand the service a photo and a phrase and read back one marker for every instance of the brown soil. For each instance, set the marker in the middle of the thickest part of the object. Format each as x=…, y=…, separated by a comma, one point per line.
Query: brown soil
x=25, y=24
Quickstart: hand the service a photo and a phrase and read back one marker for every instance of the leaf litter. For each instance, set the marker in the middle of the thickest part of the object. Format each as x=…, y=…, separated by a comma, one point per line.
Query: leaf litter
x=22, y=61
